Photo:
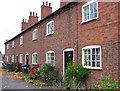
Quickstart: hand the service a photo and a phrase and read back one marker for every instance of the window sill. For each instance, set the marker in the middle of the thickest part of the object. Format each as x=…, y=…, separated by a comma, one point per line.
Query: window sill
x=21, y=44
x=49, y=34
x=35, y=63
x=34, y=39
x=95, y=68
x=90, y=20
x=21, y=62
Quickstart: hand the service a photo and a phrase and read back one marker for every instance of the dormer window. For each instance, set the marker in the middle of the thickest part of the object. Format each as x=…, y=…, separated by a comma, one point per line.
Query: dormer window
x=50, y=28
x=35, y=34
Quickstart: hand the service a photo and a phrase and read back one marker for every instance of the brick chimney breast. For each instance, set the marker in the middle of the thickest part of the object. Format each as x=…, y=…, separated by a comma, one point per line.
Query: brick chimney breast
x=46, y=10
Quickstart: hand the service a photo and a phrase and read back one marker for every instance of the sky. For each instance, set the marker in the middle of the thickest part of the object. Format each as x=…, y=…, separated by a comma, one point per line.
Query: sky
x=13, y=11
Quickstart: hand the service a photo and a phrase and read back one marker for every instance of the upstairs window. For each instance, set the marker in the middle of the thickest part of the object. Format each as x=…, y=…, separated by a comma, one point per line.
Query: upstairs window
x=35, y=58
x=12, y=58
x=7, y=46
x=35, y=34
x=91, y=57
x=50, y=57
x=21, y=58
x=50, y=28
x=90, y=11
x=13, y=44
x=21, y=40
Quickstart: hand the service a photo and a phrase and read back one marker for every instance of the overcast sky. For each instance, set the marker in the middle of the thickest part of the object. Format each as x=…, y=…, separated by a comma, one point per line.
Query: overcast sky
x=13, y=11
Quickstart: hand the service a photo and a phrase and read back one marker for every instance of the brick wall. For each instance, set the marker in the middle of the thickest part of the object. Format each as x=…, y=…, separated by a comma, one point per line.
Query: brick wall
x=102, y=31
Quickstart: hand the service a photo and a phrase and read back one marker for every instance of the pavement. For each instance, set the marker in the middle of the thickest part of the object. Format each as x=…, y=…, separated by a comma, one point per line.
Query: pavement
x=8, y=84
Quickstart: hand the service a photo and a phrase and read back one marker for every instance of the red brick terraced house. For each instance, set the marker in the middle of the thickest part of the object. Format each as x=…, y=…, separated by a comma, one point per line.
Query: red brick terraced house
x=85, y=31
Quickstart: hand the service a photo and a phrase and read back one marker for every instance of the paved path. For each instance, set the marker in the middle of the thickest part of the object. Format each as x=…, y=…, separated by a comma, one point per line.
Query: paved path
x=8, y=83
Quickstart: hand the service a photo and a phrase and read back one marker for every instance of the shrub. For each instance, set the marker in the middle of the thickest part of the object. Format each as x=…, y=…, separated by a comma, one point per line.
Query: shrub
x=17, y=67
x=32, y=73
x=107, y=84
x=5, y=66
x=75, y=75
x=48, y=73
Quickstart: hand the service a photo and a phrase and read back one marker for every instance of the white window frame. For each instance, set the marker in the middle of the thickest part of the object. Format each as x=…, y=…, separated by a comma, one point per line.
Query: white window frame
x=35, y=34
x=91, y=47
x=88, y=4
x=13, y=43
x=25, y=57
x=33, y=58
x=21, y=40
x=21, y=58
x=7, y=58
x=7, y=46
x=47, y=33
x=12, y=58
x=48, y=52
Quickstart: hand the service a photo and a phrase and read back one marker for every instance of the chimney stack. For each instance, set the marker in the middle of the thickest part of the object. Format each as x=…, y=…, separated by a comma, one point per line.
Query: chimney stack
x=32, y=20
x=46, y=10
x=63, y=2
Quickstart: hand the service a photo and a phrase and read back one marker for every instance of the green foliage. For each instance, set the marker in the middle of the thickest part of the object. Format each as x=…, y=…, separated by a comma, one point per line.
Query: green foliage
x=75, y=74
x=107, y=84
x=17, y=67
x=48, y=73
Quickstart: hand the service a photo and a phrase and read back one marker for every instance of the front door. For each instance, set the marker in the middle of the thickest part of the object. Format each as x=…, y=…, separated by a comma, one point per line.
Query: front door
x=68, y=57
x=27, y=59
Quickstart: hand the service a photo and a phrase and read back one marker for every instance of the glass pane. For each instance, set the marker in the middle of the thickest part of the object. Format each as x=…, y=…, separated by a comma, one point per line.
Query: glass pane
x=89, y=51
x=97, y=57
x=88, y=57
x=95, y=15
x=47, y=54
x=52, y=58
x=85, y=57
x=89, y=63
x=93, y=57
x=98, y=64
x=52, y=54
x=97, y=50
x=91, y=11
x=95, y=6
x=85, y=63
x=93, y=51
x=91, y=5
x=85, y=51
x=52, y=62
x=91, y=16
x=93, y=63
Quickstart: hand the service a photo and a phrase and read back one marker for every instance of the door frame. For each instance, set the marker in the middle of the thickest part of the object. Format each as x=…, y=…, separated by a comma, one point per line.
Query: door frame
x=66, y=50
x=25, y=58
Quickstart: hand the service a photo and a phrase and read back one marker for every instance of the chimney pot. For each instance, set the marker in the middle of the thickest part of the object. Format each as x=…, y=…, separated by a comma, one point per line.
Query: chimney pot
x=36, y=14
x=33, y=13
x=49, y=4
x=30, y=13
x=23, y=20
x=43, y=2
x=46, y=3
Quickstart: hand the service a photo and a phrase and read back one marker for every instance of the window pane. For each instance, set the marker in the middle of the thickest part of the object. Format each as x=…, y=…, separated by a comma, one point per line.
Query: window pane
x=97, y=50
x=93, y=63
x=93, y=57
x=85, y=57
x=52, y=54
x=98, y=64
x=93, y=51
x=89, y=63
x=52, y=58
x=89, y=51
x=85, y=63
x=88, y=57
x=97, y=57
x=95, y=15
x=91, y=16
x=95, y=6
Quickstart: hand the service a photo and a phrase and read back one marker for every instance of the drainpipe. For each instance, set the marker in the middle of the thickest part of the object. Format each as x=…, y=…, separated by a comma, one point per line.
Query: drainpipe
x=77, y=28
